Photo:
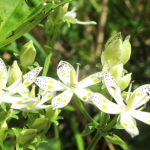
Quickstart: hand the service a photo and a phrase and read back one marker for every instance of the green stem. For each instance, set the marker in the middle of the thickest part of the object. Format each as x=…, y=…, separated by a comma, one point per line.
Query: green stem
x=84, y=112
x=48, y=57
x=45, y=130
x=96, y=138
x=1, y=141
x=57, y=136
x=111, y=124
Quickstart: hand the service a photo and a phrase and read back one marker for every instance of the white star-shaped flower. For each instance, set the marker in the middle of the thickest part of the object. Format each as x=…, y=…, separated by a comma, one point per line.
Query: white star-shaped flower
x=32, y=104
x=70, y=17
x=23, y=82
x=128, y=109
x=69, y=84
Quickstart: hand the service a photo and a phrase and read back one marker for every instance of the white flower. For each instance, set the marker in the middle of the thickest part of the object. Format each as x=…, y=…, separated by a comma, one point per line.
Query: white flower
x=128, y=109
x=70, y=85
x=23, y=82
x=70, y=17
x=32, y=104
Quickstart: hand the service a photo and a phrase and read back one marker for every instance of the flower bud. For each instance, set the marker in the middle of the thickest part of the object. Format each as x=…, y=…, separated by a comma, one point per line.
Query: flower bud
x=58, y=15
x=117, y=71
x=116, y=51
x=26, y=137
x=49, y=26
x=126, y=50
x=51, y=114
x=65, y=7
x=14, y=73
x=27, y=54
x=40, y=123
x=124, y=81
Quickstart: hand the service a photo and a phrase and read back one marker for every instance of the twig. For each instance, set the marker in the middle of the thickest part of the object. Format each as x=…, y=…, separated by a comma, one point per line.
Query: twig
x=102, y=22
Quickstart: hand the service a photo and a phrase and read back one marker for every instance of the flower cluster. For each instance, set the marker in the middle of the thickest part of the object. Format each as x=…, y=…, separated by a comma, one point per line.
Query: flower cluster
x=112, y=76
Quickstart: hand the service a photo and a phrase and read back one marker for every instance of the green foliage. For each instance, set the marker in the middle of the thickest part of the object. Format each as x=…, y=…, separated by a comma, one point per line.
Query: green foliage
x=75, y=44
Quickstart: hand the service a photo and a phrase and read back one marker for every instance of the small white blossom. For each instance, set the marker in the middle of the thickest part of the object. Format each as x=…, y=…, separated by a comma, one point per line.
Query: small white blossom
x=70, y=17
x=127, y=109
x=23, y=82
x=69, y=84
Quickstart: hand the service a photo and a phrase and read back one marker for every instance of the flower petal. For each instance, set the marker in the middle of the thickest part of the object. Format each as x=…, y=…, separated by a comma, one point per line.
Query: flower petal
x=45, y=96
x=142, y=116
x=24, y=81
x=24, y=92
x=104, y=104
x=128, y=124
x=49, y=84
x=62, y=99
x=4, y=71
x=90, y=80
x=19, y=100
x=113, y=88
x=64, y=70
x=142, y=95
x=83, y=94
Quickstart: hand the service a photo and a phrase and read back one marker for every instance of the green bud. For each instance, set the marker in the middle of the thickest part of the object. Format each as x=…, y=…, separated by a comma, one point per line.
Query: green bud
x=58, y=15
x=40, y=123
x=14, y=73
x=52, y=114
x=116, y=71
x=116, y=51
x=65, y=7
x=124, y=81
x=112, y=50
x=27, y=54
x=49, y=26
x=26, y=137
x=126, y=50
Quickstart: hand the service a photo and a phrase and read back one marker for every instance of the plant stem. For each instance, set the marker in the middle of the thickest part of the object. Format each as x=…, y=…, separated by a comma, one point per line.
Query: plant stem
x=57, y=136
x=84, y=112
x=96, y=138
x=48, y=57
x=111, y=124
x=1, y=141
x=45, y=130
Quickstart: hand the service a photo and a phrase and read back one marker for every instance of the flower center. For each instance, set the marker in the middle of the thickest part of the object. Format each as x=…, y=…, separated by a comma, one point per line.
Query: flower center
x=74, y=77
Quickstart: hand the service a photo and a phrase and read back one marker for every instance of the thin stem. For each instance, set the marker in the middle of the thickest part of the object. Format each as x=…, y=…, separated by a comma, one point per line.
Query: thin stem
x=1, y=141
x=57, y=136
x=48, y=57
x=111, y=124
x=84, y=112
x=96, y=138
x=45, y=130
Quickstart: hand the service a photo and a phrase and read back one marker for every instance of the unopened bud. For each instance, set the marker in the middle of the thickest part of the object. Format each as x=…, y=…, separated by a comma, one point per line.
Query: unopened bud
x=14, y=73
x=40, y=123
x=27, y=54
x=52, y=114
x=26, y=137
x=49, y=26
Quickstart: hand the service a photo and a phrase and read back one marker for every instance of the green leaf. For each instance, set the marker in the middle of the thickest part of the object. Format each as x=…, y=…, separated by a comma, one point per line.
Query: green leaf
x=116, y=140
x=21, y=18
x=88, y=129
